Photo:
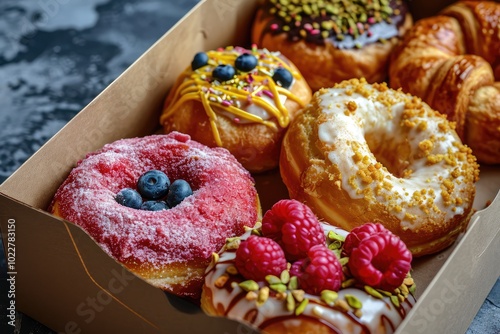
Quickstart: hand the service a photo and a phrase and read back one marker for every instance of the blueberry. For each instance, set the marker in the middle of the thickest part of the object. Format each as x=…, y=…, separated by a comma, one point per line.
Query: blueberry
x=154, y=206
x=200, y=59
x=245, y=62
x=153, y=184
x=283, y=76
x=223, y=72
x=129, y=198
x=179, y=189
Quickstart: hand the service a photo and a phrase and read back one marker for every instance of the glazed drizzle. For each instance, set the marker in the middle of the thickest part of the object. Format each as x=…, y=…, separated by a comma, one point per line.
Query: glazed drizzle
x=234, y=95
x=346, y=24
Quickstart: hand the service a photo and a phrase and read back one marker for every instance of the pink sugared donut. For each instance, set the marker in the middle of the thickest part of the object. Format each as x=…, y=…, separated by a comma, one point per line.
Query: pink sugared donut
x=168, y=248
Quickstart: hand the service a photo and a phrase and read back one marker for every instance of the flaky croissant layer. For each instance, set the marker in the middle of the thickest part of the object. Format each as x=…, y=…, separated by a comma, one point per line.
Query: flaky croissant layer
x=452, y=61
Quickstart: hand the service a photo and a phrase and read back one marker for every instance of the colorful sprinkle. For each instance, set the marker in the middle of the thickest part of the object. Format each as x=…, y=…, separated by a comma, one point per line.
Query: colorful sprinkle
x=268, y=93
x=319, y=20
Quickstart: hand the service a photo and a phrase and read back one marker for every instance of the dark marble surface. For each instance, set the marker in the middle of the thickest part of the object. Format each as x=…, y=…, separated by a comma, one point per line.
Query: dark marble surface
x=56, y=56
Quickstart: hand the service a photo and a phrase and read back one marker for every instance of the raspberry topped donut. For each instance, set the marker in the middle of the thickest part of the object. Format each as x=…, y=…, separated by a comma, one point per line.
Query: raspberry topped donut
x=363, y=152
x=338, y=282
x=160, y=205
x=330, y=41
x=240, y=99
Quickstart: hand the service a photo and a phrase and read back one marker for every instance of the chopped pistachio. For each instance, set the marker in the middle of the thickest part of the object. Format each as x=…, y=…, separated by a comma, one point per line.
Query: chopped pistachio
x=371, y=291
x=251, y=295
x=221, y=280
x=349, y=282
x=408, y=281
x=342, y=305
x=230, y=240
x=278, y=287
x=281, y=295
x=271, y=279
x=293, y=284
x=262, y=296
x=249, y=285
x=232, y=270
x=353, y=301
x=256, y=232
x=385, y=293
x=298, y=295
x=290, y=302
x=301, y=307
x=404, y=290
x=329, y=296
x=335, y=236
x=337, y=252
x=215, y=258
x=285, y=276
x=233, y=243
x=335, y=245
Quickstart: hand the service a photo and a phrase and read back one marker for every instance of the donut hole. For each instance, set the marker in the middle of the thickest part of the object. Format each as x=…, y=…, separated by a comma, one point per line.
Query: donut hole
x=393, y=154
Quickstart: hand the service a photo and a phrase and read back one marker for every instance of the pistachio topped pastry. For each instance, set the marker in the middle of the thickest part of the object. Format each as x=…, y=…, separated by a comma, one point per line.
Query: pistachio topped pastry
x=293, y=274
x=333, y=40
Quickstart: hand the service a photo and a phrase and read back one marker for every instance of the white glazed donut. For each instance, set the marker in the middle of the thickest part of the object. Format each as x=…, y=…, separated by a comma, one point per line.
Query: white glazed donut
x=377, y=314
x=365, y=152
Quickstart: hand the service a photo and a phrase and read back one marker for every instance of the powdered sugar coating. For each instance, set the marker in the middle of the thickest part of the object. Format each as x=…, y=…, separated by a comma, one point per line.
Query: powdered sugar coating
x=224, y=200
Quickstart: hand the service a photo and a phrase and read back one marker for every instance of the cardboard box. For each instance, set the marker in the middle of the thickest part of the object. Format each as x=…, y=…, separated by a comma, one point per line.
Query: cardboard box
x=65, y=281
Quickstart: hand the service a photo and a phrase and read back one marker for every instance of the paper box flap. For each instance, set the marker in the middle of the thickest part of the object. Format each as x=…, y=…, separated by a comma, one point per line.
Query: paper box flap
x=456, y=284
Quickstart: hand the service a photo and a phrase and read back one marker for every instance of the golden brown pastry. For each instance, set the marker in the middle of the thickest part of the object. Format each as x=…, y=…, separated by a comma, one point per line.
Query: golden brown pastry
x=482, y=132
x=330, y=41
x=451, y=61
x=240, y=99
x=363, y=152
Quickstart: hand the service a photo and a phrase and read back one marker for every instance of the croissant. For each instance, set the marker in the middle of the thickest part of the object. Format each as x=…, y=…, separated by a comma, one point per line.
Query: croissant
x=452, y=61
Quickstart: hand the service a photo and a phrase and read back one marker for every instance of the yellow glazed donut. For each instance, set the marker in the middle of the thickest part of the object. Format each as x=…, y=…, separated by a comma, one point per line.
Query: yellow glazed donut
x=363, y=152
x=239, y=99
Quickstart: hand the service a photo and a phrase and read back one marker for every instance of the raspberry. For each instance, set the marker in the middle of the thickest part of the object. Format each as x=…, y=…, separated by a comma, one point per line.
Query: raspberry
x=258, y=257
x=294, y=226
x=321, y=270
x=359, y=233
x=381, y=260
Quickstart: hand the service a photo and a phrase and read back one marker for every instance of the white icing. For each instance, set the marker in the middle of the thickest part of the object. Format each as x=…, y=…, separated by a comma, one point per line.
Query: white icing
x=381, y=124
x=253, y=109
x=261, y=112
